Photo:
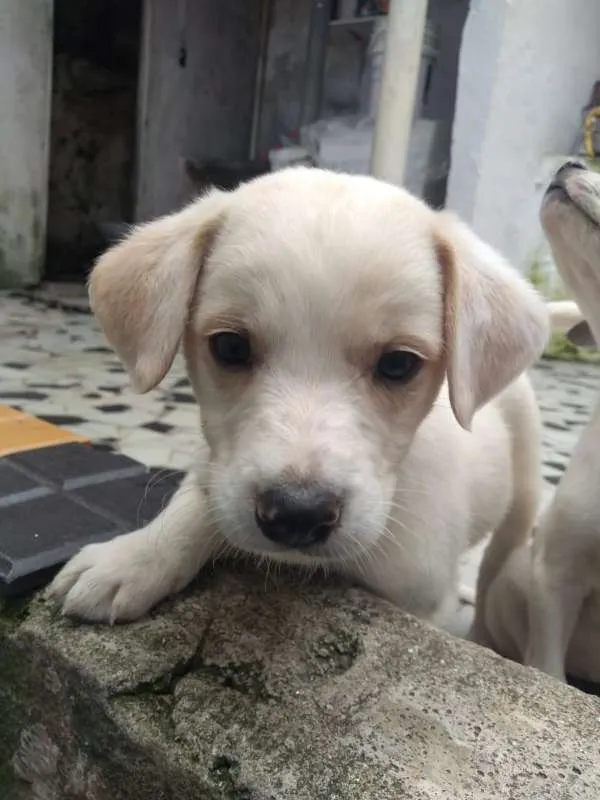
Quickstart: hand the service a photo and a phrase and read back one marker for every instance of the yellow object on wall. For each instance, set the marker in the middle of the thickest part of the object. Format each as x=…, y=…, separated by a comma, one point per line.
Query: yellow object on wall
x=589, y=124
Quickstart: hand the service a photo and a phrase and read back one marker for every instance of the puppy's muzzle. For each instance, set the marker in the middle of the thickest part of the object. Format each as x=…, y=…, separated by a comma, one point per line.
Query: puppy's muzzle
x=557, y=186
x=298, y=516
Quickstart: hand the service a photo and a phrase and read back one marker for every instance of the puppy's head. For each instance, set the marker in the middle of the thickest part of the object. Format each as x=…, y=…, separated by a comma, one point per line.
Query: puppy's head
x=319, y=316
x=570, y=217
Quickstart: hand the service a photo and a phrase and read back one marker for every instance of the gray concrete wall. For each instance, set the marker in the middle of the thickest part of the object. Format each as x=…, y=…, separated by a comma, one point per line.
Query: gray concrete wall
x=25, y=86
x=284, y=71
x=196, y=92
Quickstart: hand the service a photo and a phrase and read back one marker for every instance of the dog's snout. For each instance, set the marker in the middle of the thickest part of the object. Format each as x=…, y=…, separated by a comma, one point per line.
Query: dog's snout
x=562, y=172
x=556, y=188
x=298, y=516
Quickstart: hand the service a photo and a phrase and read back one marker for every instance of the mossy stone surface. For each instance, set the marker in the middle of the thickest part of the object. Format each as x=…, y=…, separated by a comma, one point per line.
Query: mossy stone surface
x=242, y=689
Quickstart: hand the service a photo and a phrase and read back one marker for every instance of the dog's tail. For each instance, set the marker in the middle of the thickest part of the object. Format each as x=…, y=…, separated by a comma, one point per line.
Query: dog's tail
x=564, y=315
x=566, y=319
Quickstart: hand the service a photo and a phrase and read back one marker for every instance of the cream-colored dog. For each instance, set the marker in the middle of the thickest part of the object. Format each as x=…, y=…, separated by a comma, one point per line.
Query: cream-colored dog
x=544, y=606
x=357, y=359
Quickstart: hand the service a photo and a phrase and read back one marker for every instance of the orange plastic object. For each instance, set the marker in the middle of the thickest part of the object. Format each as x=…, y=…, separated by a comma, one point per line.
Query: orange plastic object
x=19, y=432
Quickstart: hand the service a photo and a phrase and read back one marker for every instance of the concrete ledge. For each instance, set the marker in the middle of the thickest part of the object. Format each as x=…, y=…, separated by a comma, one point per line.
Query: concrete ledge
x=305, y=692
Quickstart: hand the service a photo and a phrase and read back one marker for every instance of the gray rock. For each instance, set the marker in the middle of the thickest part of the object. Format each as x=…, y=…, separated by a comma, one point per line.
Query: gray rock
x=239, y=690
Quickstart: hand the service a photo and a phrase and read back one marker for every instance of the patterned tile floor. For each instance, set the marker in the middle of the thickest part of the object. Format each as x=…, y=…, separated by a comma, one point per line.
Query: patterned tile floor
x=55, y=363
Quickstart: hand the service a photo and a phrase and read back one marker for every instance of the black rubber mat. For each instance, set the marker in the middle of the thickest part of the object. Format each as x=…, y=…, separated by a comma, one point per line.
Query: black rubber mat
x=55, y=500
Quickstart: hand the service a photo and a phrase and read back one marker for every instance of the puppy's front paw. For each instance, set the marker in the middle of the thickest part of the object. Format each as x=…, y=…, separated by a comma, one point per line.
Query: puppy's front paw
x=116, y=581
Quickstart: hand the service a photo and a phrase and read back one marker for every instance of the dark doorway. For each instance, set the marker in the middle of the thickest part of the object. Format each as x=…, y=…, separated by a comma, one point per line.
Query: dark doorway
x=93, y=130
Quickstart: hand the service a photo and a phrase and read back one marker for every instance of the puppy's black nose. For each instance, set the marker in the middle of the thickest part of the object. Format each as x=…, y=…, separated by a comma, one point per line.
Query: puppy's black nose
x=298, y=515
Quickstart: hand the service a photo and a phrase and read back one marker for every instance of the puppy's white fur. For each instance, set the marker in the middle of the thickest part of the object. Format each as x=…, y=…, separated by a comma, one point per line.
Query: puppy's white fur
x=544, y=606
x=325, y=272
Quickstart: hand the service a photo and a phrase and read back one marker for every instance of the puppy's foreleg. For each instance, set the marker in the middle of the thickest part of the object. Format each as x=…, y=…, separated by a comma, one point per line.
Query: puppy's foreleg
x=122, y=579
x=565, y=557
x=560, y=580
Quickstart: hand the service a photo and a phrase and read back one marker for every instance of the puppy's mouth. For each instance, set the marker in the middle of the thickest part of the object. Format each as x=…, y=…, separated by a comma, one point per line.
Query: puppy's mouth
x=556, y=191
x=300, y=554
x=341, y=546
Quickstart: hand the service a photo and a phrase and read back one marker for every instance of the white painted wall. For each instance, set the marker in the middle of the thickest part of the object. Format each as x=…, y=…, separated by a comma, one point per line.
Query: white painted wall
x=25, y=89
x=526, y=70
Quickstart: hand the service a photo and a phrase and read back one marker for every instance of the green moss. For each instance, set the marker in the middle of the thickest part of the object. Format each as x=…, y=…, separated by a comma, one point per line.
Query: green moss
x=13, y=611
x=225, y=773
x=335, y=652
x=561, y=349
x=14, y=675
x=8, y=782
x=593, y=163
x=245, y=677
x=538, y=277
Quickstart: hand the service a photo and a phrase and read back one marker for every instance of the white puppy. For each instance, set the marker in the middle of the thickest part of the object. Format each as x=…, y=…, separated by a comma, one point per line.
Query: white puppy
x=544, y=606
x=320, y=316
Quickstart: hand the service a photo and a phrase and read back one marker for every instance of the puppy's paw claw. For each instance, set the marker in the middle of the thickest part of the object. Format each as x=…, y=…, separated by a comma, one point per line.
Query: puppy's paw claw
x=110, y=582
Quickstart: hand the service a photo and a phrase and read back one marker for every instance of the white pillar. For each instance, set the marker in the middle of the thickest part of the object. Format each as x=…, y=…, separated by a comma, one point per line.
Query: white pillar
x=393, y=124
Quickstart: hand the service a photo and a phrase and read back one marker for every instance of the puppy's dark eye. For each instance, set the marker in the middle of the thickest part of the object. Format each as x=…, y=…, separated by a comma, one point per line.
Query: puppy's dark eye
x=398, y=366
x=230, y=349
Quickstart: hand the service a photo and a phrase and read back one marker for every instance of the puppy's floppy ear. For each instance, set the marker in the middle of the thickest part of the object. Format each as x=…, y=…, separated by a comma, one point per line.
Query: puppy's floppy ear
x=141, y=289
x=495, y=323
